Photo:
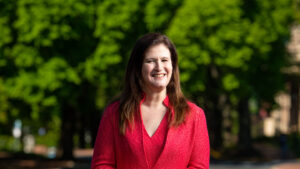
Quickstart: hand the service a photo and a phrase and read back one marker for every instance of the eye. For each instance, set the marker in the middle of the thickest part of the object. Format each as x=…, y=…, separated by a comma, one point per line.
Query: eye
x=149, y=61
x=164, y=60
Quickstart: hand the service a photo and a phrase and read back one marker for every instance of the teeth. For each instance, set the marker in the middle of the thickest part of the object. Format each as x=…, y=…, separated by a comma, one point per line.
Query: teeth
x=160, y=75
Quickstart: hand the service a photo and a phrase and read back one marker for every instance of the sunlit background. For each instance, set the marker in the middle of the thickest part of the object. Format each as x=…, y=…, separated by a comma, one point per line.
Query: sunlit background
x=62, y=62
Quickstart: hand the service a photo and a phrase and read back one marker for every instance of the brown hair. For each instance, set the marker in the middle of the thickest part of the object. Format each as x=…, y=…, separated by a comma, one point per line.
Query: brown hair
x=132, y=91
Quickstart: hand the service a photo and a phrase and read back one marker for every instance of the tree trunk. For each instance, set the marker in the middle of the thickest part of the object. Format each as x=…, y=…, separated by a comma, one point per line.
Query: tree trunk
x=67, y=131
x=81, y=129
x=294, y=106
x=244, y=124
x=214, y=108
x=94, y=129
x=214, y=121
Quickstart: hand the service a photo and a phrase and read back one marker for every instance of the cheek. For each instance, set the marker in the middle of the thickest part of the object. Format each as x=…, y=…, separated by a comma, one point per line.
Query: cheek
x=145, y=71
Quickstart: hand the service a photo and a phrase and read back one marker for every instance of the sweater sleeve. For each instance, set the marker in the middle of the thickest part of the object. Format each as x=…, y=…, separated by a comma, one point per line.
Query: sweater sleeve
x=201, y=149
x=104, y=151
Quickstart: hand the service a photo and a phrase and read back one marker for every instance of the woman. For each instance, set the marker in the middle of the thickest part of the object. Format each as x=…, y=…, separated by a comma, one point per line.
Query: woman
x=152, y=125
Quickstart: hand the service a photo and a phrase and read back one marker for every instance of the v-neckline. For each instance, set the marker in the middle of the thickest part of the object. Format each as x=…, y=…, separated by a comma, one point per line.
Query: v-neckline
x=169, y=132
x=158, y=128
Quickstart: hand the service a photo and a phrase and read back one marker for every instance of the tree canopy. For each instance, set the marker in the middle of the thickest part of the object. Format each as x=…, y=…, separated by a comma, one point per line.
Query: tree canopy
x=69, y=56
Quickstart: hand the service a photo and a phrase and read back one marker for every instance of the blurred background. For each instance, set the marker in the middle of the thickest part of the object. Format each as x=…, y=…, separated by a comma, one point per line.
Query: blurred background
x=61, y=62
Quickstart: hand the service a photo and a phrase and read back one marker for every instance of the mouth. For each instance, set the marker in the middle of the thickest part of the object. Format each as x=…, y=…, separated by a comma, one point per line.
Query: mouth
x=159, y=75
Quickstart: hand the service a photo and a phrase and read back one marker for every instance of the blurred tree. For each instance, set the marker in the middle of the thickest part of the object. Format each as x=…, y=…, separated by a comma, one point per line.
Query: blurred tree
x=63, y=59
x=41, y=55
x=66, y=58
x=118, y=24
x=159, y=14
x=236, y=51
x=296, y=10
x=267, y=37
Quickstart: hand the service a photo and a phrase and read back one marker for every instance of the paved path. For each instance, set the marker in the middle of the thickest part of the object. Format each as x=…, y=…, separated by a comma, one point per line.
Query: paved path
x=271, y=165
x=83, y=161
x=290, y=165
x=85, y=155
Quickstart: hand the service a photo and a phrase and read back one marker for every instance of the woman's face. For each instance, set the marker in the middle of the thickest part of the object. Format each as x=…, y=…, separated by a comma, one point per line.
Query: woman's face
x=157, y=68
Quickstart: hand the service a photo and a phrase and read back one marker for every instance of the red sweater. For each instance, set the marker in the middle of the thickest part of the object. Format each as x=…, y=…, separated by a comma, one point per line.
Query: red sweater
x=154, y=145
x=186, y=146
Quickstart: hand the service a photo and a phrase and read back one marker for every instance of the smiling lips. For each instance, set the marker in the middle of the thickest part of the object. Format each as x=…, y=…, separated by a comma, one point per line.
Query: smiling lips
x=159, y=75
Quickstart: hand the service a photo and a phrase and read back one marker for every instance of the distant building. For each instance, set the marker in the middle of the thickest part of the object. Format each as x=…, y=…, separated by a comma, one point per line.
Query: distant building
x=286, y=118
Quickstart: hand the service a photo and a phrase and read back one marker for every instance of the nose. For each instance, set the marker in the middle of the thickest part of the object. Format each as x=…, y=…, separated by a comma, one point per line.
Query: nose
x=158, y=65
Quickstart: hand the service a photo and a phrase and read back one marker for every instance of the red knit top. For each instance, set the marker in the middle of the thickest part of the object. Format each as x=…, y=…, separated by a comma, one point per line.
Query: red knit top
x=154, y=145
x=185, y=146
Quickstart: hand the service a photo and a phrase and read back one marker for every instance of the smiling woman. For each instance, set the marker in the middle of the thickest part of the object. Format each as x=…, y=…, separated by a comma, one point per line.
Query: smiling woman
x=152, y=125
x=156, y=69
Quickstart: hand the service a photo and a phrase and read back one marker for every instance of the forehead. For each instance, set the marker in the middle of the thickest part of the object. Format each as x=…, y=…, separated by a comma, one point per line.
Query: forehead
x=159, y=50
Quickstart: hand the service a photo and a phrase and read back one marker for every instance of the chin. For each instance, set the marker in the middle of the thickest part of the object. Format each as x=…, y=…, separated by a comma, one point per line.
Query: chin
x=156, y=86
x=159, y=87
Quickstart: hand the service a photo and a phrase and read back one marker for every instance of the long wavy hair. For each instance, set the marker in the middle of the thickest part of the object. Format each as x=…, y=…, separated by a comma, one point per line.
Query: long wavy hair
x=132, y=91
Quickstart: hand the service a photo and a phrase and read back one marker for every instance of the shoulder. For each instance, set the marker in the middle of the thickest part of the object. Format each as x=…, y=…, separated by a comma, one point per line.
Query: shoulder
x=111, y=110
x=196, y=111
x=114, y=106
x=194, y=108
x=197, y=117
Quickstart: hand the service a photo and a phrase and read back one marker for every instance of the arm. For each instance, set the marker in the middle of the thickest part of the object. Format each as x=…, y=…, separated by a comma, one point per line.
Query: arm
x=104, y=151
x=201, y=150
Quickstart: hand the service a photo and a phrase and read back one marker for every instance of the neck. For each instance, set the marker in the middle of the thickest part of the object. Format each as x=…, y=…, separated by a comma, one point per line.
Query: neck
x=155, y=98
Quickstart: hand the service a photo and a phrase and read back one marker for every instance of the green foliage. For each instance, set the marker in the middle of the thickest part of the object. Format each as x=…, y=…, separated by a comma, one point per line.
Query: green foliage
x=230, y=82
x=296, y=10
x=42, y=45
x=228, y=37
x=74, y=52
x=7, y=143
x=211, y=35
x=5, y=37
x=4, y=105
x=158, y=14
x=51, y=138
x=42, y=22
